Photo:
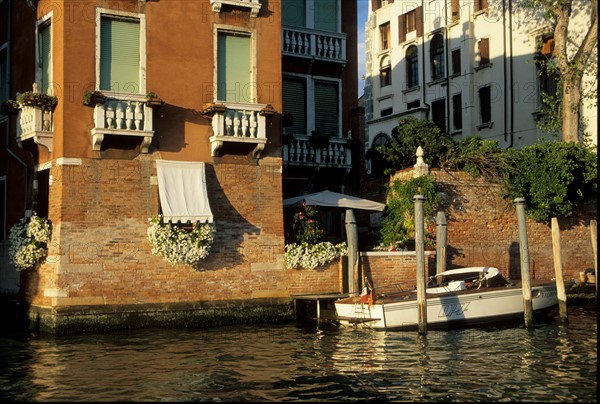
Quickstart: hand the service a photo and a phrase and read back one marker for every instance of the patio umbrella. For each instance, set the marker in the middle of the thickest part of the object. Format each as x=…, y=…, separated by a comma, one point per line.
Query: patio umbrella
x=336, y=200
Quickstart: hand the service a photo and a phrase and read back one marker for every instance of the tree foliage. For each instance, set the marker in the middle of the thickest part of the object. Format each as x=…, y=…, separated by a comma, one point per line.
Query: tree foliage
x=407, y=137
x=572, y=54
x=553, y=177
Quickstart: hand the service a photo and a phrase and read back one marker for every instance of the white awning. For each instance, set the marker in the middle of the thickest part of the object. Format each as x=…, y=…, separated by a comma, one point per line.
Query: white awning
x=182, y=191
x=333, y=199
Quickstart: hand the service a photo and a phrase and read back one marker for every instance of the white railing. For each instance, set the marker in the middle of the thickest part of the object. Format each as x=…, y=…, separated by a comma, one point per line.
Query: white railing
x=336, y=154
x=123, y=116
x=36, y=123
x=236, y=122
x=252, y=5
x=314, y=44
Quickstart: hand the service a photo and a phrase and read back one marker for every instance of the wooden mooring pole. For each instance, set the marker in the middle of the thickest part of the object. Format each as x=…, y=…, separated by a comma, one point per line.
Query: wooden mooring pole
x=524, y=253
x=593, y=230
x=441, y=241
x=560, y=284
x=420, y=251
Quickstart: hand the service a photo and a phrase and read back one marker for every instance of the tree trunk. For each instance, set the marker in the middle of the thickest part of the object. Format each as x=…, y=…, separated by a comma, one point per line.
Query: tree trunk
x=570, y=109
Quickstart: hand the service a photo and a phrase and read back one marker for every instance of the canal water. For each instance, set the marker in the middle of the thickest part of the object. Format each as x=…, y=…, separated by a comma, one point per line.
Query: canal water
x=549, y=362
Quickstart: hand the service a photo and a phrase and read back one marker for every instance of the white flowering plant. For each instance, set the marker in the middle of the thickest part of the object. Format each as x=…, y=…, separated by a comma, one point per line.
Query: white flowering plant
x=29, y=239
x=310, y=256
x=178, y=245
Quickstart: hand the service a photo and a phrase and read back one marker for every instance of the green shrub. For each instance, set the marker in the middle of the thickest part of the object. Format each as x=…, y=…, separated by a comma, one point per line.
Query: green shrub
x=398, y=216
x=553, y=177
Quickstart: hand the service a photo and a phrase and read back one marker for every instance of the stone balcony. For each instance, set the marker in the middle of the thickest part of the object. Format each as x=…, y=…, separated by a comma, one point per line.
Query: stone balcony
x=238, y=123
x=252, y=5
x=313, y=44
x=36, y=123
x=128, y=115
x=335, y=154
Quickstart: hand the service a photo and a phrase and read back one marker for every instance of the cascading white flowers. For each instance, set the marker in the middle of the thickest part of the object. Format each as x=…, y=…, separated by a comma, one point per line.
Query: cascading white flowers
x=180, y=246
x=29, y=239
x=310, y=256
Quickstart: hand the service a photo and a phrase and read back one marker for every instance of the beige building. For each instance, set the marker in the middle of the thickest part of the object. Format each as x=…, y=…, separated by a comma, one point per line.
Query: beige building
x=469, y=66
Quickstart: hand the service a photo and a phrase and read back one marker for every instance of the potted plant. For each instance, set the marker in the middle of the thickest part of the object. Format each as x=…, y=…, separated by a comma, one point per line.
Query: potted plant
x=9, y=107
x=153, y=100
x=268, y=111
x=36, y=99
x=211, y=108
x=92, y=98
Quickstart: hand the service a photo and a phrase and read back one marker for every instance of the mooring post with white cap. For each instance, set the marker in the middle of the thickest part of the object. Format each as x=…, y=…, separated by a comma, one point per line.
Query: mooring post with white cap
x=441, y=241
x=560, y=283
x=420, y=251
x=524, y=253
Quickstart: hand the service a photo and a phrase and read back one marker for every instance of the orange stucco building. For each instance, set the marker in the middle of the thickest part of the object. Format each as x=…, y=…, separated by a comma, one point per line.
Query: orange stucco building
x=90, y=165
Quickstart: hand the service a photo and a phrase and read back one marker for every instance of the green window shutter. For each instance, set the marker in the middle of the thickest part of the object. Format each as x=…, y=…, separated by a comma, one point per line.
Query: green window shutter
x=120, y=55
x=233, y=68
x=294, y=102
x=44, y=57
x=326, y=108
x=326, y=15
x=293, y=12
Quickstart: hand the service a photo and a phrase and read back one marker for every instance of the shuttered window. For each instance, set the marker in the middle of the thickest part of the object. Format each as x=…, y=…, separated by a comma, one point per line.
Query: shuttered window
x=484, y=51
x=326, y=15
x=120, y=55
x=294, y=103
x=293, y=12
x=234, y=68
x=44, y=57
x=326, y=108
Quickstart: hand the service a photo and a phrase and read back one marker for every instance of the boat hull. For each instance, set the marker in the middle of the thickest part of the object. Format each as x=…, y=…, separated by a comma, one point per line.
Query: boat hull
x=447, y=310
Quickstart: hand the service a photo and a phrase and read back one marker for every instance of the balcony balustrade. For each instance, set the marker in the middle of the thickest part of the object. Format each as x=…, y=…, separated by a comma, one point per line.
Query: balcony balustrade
x=36, y=123
x=238, y=122
x=314, y=44
x=123, y=116
x=336, y=154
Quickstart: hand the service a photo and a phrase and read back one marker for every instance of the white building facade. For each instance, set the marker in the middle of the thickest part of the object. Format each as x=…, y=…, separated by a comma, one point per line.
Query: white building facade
x=469, y=66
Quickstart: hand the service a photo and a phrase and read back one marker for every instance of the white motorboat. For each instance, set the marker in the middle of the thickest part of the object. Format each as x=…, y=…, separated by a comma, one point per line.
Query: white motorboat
x=454, y=298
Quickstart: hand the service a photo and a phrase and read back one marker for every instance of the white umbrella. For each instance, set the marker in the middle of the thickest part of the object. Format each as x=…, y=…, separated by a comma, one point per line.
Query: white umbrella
x=336, y=200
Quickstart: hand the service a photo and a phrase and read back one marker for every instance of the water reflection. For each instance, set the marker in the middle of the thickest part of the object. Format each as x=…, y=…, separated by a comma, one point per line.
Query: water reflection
x=299, y=362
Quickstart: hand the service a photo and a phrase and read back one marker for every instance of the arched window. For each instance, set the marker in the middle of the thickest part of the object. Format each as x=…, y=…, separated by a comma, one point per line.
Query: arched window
x=375, y=161
x=385, y=72
x=412, y=66
x=437, y=56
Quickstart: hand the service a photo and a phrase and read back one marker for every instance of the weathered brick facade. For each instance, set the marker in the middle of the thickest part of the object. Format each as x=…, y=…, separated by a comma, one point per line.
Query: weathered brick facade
x=483, y=230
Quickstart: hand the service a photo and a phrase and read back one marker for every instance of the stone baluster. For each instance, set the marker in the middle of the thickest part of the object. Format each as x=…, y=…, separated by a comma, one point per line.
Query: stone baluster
x=119, y=116
x=46, y=120
x=138, y=116
x=229, y=130
x=253, y=124
x=236, y=123
x=128, y=115
x=245, y=124
x=100, y=116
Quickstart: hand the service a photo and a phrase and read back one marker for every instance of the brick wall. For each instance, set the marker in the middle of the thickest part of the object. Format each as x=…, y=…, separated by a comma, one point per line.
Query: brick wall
x=483, y=230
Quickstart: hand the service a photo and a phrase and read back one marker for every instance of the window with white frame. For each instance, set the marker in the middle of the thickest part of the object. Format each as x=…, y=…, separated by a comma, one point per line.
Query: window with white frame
x=121, y=44
x=44, y=56
x=234, y=67
x=385, y=72
x=437, y=57
x=412, y=66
